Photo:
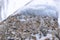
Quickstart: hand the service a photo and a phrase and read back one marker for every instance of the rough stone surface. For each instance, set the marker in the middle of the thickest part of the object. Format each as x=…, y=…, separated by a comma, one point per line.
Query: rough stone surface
x=29, y=27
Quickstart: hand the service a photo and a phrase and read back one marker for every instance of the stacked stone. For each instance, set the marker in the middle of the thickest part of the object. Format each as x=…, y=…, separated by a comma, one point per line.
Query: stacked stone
x=23, y=27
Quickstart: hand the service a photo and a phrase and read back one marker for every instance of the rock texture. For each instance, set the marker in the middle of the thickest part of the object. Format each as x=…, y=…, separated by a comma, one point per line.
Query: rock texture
x=23, y=26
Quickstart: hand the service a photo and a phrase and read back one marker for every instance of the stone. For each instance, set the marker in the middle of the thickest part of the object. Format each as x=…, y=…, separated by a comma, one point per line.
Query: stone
x=21, y=25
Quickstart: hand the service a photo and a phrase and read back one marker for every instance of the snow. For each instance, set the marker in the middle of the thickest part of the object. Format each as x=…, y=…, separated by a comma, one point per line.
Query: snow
x=43, y=37
x=22, y=20
x=42, y=2
x=15, y=4
x=48, y=36
x=13, y=32
x=46, y=10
